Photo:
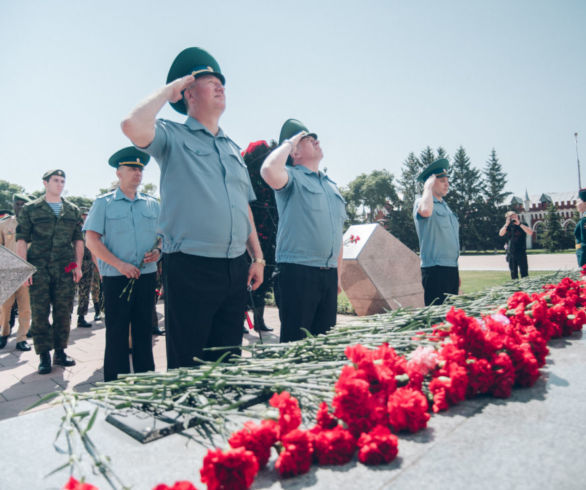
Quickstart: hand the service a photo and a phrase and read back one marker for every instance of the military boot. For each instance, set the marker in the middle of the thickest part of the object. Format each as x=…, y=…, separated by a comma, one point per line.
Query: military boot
x=81, y=322
x=45, y=364
x=62, y=359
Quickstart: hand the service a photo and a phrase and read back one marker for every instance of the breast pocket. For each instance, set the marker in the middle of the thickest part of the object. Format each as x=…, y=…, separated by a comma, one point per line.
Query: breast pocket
x=442, y=217
x=148, y=220
x=43, y=227
x=237, y=173
x=118, y=221
x=312, y=197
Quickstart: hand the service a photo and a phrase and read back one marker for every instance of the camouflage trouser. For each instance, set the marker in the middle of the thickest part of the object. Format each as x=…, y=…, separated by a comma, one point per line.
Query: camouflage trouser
x=52, y=286
x=90, y=280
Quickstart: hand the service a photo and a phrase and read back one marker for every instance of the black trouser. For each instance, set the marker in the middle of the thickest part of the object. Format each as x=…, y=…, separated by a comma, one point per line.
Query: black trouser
x=122, y=313
x=205, y=301
x=518, y=261
x=438, y=281
x=308, y=299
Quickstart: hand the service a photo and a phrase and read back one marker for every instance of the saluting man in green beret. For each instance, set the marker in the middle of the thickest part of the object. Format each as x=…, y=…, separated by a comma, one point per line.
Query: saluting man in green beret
x=52, y=227
x=206, y=221
x=438, y=232
x=309, y=238
x=21, y=296
x=580, y=230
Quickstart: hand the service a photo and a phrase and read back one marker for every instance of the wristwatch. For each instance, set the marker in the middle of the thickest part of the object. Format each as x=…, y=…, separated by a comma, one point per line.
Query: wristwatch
x=259, y=260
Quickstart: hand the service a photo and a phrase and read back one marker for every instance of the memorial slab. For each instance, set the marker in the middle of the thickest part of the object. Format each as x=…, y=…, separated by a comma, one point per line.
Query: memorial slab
x=379, y=273
x=13, y=272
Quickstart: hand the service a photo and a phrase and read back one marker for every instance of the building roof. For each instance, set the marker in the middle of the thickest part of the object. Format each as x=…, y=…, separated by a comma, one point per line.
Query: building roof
x=536, y=199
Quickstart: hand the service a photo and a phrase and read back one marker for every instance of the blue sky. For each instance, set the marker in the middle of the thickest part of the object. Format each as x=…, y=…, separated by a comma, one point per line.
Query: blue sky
x=375, y=79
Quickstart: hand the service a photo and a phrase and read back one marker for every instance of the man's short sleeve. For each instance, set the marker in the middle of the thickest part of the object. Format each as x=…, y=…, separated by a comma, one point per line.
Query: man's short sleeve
x=24, y=226
x=96, y=218
x=416, y=214
x=286, y=189
x=158, y=146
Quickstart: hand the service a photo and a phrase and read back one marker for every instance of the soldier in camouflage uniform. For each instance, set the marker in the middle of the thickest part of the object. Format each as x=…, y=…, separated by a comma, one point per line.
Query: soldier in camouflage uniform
x=52, y=226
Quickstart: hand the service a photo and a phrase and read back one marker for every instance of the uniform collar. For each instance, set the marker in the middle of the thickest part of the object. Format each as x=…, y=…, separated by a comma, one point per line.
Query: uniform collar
x=119, y=195
x=195, y=125
x=439, y=201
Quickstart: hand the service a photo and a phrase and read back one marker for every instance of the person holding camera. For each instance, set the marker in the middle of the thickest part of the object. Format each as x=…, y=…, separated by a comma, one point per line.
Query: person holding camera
x=516, y=233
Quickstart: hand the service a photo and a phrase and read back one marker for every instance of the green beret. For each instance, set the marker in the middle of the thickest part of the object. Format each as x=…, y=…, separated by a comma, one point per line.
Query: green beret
x=49, y=173
x=291, y=127
x=196, y=62
x=129, y=156
x=582, y=194
x=20, y=197
x=439, y=168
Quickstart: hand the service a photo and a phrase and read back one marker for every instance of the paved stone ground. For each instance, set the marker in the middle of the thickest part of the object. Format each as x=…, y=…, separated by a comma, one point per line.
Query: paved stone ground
x=538, y=262
x=21, y=385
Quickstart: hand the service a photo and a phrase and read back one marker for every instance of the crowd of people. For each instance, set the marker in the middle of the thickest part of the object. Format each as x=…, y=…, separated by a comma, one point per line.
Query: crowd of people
x=202, y=236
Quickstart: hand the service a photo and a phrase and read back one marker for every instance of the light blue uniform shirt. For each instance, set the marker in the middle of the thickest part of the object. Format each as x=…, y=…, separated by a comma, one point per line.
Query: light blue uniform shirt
x=128, y=228
x=311, y=219
x=439, y=240
x=205, y=190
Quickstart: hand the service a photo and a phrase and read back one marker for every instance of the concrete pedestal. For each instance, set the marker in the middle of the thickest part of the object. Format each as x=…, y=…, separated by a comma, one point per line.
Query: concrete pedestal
x=379, y=272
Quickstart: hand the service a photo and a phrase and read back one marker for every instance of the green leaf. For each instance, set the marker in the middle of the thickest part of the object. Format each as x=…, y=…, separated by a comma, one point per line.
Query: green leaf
x=91, y=421
x=45, y=399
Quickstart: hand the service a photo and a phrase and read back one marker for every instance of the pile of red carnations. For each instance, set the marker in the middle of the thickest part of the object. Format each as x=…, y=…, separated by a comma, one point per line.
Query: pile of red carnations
x=381, y=394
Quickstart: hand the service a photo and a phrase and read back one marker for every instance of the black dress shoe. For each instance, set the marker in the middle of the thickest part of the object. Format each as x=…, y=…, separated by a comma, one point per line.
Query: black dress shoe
x=263, y=328
x=62, y=358
x=158, y=331
x=23, y=346
x=81, y=322
x=3, y=340
x=45, y=364
x=29, y=335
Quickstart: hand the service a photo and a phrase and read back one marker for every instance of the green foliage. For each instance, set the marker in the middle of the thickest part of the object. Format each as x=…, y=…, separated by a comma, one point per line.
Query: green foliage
x=465, y=199
x=553, y=235
x=149, y=188
x=7, y=190
x=372, y=192
x=493, y=188
x=80, y=201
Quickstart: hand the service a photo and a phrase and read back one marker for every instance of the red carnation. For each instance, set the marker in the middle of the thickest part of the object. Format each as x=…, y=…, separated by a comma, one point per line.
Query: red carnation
x=234, y=469
x=334, y=447
x=480, y=377
x=178, y=485
x=297, y=454
x=73, y=484
x=504, y=375
x=69, y=267
x=353, y=403
x=289, y=412
x=256, y=438
x=377, y=446
x=324, y=419
x=407, y=410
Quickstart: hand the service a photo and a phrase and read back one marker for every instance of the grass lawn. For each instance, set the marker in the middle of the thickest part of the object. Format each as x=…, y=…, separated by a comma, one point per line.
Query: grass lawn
x=477, y=280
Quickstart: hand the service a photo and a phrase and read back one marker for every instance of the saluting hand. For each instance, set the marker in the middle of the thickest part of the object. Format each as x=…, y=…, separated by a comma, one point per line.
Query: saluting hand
x=177, y=87
x=429, y=182
x=296, y=139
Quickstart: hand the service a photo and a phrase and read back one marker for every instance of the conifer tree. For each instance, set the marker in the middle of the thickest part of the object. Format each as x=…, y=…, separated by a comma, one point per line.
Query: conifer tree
x=553, y=235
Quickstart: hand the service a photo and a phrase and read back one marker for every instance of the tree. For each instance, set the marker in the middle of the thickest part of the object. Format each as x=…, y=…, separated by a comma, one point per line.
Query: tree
x=465, y=199
x=7, y=190
x=493, y=189
x=373, y=191
x=553, y=235
x=149, y=188
x=80, y=201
